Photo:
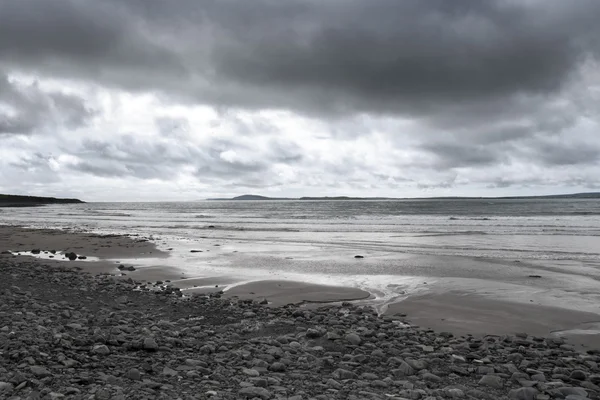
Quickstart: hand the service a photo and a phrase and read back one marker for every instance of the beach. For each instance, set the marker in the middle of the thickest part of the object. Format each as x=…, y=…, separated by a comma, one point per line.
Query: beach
x=67, y=332
x=455, y=307
x=435, y=325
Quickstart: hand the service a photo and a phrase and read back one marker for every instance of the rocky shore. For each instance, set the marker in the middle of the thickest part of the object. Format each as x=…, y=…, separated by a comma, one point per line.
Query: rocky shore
x=65, y=334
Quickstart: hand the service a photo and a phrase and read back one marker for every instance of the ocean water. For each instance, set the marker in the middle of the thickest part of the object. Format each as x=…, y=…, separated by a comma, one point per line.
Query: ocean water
x=489, y=246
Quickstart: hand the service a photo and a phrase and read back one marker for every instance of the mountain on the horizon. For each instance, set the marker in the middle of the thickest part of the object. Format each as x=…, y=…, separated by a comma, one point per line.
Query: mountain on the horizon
x=11, y=200
x=586, y=195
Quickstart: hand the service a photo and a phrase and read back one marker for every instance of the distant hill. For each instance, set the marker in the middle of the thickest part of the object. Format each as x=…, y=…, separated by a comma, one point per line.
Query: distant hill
x=9, y=200
x=589, y=195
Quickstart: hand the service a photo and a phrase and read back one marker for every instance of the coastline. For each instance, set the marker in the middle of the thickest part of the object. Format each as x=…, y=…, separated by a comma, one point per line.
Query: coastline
x=456, y=311
x=73, y=335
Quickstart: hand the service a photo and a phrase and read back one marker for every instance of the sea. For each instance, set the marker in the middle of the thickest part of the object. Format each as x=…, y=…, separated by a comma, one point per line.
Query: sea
x=543, y=251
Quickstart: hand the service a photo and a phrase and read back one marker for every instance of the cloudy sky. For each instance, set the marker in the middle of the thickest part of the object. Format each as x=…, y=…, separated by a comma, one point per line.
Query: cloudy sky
x=186, y=99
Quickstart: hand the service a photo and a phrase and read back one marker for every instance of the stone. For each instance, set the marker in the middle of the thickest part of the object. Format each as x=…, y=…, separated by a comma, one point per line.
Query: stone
x=492, y=381
x=134, y=374
x=353, y=339
x=342, y=374
x=6, y=387
x=101, y=349
x=429, y=377
x=578, y=375
x=277, y=367
x=150, y=344
x=566, y=391
x=524, y=393
x=250, y=372
x=252, y=392
x=40, y=372
x=403, y=370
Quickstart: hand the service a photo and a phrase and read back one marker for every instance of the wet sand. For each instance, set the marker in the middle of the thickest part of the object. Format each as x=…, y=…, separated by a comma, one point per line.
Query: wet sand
x=465, y=313
x=279, y=293
x=108, y=248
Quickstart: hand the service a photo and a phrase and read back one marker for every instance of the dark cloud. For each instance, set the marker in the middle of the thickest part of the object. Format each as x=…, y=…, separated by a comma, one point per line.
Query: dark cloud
x=27, y=108
x=321, y=57
x=431, y=94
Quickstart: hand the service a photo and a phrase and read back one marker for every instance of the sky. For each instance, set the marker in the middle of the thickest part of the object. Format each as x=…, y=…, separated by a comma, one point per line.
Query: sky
x=156, y=100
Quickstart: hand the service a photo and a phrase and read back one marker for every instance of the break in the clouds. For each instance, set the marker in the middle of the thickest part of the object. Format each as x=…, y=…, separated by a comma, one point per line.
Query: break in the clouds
x=185, y=99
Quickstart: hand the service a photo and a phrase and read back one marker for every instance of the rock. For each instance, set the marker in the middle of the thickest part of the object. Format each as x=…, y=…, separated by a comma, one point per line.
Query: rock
x=429, y=377
x=524, y=393
x=134, y=374
x=36, y=251
x=332, y=383
x=71, y=256
x=130, y=268
x=252, y=392
x=169, y=372
x=101, y=349
x=313, y=333
x=150, y=344
x=353, y=338
x=566, y=391
x=342, y=374
x=578, y=375
x=6, y=388
x=403, y=370
x=82, y=258
x=195, y=251
x=359, y=256
x=40, y=372
x=251, y=372
x=277, y=367
x=492, y=381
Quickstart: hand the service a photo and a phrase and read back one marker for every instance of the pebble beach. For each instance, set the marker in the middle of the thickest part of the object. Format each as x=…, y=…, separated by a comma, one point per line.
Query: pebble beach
x=71, y=333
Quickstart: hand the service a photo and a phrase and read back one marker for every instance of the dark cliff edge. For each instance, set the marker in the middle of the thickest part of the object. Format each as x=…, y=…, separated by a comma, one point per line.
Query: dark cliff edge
x=9, y=200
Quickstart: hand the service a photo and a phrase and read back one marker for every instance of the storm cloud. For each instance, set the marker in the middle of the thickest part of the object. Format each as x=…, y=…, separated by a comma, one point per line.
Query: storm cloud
x=303, y=96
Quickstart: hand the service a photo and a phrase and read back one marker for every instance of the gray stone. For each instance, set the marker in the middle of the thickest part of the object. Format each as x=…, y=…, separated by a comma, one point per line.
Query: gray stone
x=566, y=391
x=277, y=367
x=6, y=387
x=251, y=372
x=524, y=393
x=353, y=338
x=134, y=374
x=492, y=381
x=334, y=384
x=101, y=349
x=252, y=392
x=429, y=377
x=403, y=370
x=150, y=344
x=342, y=374
x=40, y=372
x=578, y=375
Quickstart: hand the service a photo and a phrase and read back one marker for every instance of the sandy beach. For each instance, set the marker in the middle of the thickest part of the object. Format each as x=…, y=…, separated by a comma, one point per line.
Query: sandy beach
x=455, y=311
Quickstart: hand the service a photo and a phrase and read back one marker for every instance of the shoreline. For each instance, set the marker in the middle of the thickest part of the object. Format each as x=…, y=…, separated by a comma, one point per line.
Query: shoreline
x=459, y=312
x=82, y=336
